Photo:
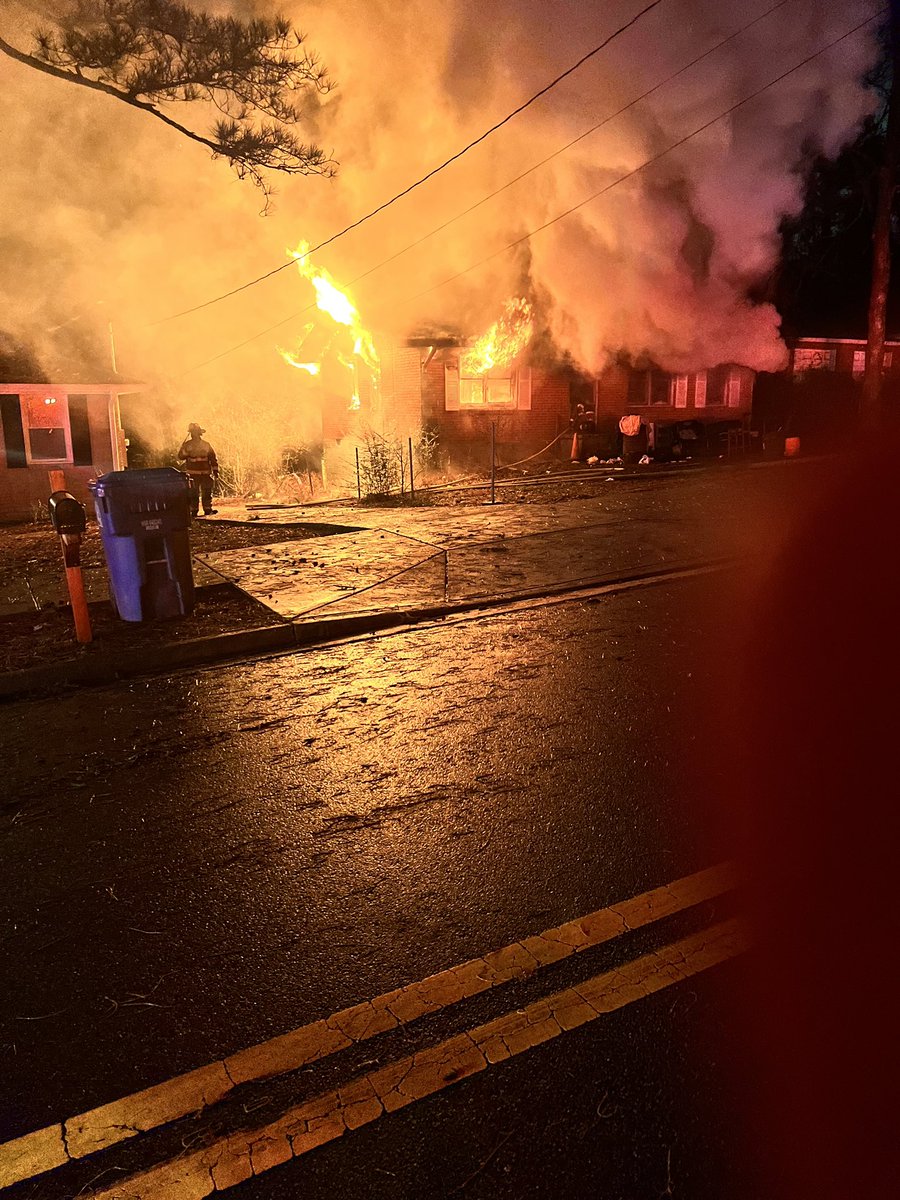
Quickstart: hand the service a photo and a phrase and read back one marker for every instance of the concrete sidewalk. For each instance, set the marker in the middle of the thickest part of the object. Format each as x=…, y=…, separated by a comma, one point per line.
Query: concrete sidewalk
x=444, y=557
x=486, y=576
x=398, y=566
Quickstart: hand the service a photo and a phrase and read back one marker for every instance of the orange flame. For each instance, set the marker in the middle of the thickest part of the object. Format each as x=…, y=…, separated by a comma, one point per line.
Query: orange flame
x=330, y=299
x=311, y=368
x=504, y=341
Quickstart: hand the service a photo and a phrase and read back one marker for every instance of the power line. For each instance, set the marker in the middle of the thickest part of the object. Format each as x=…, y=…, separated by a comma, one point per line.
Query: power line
x=562, y=149
x=621, y=179
x=435, y=170
x=648, y=162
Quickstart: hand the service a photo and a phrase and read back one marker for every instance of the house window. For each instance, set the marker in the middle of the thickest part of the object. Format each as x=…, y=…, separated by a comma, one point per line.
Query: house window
x=486, y=391
x=721, y=387
x=859, y=362
x=46, y=421
x=813, y=360
x=649, y=388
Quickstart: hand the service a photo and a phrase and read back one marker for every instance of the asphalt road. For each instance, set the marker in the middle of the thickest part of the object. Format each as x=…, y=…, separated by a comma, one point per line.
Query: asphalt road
x=196, y=864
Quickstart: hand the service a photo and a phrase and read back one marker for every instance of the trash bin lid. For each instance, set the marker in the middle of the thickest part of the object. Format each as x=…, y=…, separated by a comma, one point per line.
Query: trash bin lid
x=157, y=482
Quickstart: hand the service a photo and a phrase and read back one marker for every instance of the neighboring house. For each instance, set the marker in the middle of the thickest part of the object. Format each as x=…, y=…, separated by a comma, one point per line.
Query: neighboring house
x=844, y=356
x=72, y=426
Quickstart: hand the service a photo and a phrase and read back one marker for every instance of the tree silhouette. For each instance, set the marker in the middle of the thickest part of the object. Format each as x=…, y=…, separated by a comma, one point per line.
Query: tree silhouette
x=150, y=53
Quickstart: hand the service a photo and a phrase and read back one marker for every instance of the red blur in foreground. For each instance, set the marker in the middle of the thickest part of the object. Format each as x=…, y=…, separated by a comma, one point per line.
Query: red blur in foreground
x=819, y=783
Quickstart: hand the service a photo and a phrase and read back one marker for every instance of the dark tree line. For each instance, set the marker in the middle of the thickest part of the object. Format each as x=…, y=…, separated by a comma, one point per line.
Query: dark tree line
x=834, y=276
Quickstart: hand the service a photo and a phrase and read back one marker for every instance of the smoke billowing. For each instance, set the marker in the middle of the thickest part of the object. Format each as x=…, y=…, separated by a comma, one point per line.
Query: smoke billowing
x=110, y=216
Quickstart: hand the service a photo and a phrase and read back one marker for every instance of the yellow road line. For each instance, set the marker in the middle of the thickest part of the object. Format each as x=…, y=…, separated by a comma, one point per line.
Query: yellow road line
x=50, y=1147
x=231, y=1160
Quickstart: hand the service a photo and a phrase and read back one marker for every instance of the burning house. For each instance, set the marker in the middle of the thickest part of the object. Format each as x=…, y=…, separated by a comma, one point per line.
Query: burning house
x=508, y=385
x=637, y=200
x=462, y=387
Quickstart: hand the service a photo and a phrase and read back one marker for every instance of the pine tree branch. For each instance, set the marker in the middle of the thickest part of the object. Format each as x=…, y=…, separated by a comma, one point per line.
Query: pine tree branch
x=153, y=53
x=109, y=90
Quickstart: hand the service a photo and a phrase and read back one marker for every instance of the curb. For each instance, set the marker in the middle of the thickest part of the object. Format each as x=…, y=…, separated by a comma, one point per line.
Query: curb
x=292, y=636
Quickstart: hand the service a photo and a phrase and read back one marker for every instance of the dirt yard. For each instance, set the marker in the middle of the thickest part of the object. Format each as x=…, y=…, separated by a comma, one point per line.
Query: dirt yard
x=44, y=633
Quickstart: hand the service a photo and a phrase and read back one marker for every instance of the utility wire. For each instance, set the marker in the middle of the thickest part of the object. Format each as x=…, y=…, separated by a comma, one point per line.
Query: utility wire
x=302, y=312
x=562, y=149
x=368, y=216
x=621, y=179
x=650, y=161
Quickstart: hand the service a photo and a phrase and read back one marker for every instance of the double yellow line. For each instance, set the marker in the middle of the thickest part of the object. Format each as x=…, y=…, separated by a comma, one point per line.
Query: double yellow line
x=229, y=1160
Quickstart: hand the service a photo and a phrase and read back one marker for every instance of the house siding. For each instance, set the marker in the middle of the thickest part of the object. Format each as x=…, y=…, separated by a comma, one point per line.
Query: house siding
x=23, y=489
x=844, y=350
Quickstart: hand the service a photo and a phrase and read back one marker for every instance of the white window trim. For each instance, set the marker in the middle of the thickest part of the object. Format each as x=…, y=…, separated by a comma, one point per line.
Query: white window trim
x=678, y=390
x=700, y=390
x=63, y=398
x=733, y=390
x=520, y=387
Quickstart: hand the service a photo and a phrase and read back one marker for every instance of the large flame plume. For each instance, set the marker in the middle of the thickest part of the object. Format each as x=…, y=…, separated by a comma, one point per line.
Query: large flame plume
x=336, y=304
x=504, y=342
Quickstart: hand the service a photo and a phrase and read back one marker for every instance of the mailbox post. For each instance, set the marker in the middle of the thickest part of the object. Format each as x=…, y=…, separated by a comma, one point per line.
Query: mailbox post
x=67, y=516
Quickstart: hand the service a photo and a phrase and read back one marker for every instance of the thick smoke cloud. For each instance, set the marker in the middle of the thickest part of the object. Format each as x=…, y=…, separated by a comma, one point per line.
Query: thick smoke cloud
x=110, y=216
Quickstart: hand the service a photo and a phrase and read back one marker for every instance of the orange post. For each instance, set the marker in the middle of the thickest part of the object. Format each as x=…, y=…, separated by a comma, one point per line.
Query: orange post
x=75, y=584
x=71, y=549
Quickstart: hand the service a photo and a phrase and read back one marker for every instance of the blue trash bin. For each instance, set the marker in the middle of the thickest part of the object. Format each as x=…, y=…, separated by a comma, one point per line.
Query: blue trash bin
x=144, y=518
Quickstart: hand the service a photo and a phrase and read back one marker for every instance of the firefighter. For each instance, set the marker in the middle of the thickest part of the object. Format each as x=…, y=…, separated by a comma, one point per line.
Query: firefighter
x=202, y=467
x=580, y=424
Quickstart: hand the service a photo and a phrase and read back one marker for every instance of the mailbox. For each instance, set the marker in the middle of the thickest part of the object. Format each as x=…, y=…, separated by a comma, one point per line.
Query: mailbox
x=66, y=513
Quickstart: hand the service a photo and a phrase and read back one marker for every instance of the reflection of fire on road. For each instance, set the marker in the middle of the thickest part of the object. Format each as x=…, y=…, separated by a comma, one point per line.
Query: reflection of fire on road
x=350, y=350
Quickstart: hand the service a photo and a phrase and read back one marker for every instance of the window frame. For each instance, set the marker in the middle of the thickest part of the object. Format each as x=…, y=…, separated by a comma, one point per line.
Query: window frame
x=519, y=380
x=508, y=405
x=813, y=358
x=61, y=398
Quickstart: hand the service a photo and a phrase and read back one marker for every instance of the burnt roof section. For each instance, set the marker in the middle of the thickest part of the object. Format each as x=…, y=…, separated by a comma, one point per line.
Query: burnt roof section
x=441, y=341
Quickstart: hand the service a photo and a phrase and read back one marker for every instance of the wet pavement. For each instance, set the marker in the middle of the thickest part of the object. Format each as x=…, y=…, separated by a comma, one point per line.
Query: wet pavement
x=198, y=863
x=201, y=862
x=410, y=557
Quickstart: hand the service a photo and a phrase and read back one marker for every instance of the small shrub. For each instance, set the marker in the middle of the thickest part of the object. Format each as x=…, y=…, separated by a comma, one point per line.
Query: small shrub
x=380, y=465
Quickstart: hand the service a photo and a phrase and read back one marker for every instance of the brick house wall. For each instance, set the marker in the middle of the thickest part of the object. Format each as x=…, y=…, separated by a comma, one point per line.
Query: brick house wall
x=81, y=431
x=401, y=389
x=542, y=411
x=723, y=394
x=422, y=389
